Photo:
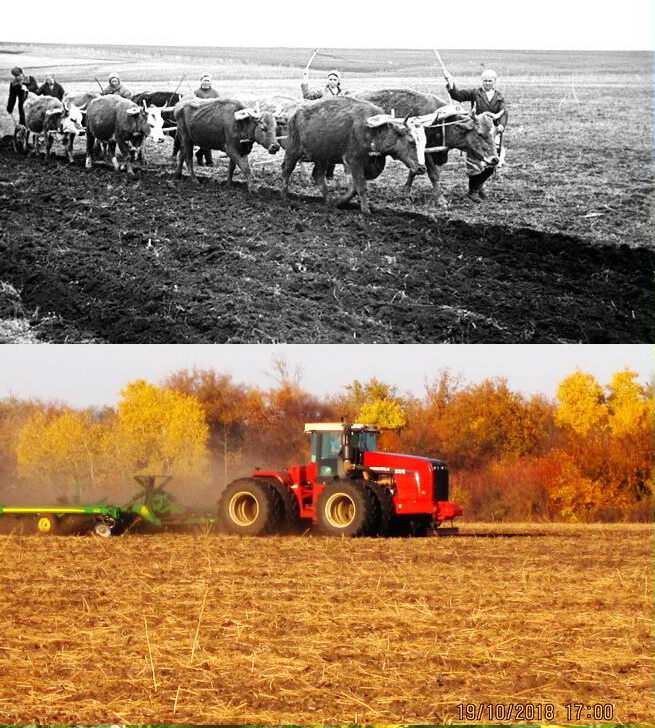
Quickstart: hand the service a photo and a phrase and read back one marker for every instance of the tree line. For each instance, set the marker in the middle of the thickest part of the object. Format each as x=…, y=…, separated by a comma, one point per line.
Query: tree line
x=584, y=455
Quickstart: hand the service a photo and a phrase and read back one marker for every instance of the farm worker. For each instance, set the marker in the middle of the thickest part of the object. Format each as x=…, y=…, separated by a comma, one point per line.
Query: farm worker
x=19, y=86
x=51, y=88
x=116, y=87
x=484, y=100
x=205, y=92
x=332, y=86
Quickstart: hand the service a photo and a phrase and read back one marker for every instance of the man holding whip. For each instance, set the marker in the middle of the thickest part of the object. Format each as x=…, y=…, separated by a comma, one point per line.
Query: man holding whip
x=484, y=100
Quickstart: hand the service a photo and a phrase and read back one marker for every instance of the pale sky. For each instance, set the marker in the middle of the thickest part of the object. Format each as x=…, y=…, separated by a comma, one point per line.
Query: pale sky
x=86, y=375
x=494, y=24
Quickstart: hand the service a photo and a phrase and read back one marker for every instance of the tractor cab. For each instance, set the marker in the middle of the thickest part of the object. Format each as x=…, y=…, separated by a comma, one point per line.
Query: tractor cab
x=337, y=447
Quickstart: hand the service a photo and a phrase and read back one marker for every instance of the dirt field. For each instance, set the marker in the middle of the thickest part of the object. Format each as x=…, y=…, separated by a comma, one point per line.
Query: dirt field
x=561, y=253
x=208, y=629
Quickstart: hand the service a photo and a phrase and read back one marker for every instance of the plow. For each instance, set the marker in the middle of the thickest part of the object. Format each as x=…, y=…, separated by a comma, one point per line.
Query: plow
x=151, y=509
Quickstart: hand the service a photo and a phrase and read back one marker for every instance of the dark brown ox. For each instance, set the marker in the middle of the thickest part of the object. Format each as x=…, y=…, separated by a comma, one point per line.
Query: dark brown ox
x=114, y=120
x=352, y=132
x=224, y=124
x=43, y=115
x=456, y=129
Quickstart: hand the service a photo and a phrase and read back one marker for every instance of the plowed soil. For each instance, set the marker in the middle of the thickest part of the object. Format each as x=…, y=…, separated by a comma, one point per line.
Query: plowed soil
x=299, y=630
x=153, y=260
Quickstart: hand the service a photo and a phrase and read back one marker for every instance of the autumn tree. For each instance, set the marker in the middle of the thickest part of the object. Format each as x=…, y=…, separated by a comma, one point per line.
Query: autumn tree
x=14, y=414
x=582, y=406
x=608, y=445
x=60, y=451
x=485, y=422
x=280, y=440
x=157, y=430
x=231, y=410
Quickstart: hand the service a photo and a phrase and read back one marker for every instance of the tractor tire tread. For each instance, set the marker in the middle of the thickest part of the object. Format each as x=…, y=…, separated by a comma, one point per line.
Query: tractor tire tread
x=269, y=501
x=290, y=522
x=367, y=523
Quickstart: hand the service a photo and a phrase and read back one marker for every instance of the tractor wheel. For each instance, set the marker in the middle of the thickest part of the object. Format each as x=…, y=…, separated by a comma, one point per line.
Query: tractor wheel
x=250, y=507
x=386, y=509
x=46, y=524
x=290, y=522
x=347, y=508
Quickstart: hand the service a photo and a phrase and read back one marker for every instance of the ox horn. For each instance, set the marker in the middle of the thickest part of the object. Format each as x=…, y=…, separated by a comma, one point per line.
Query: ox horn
x=241, y=114
x=378, y=120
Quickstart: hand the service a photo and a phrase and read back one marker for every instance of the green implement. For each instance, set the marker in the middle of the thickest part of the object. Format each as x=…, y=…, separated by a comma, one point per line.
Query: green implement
x=52, y=519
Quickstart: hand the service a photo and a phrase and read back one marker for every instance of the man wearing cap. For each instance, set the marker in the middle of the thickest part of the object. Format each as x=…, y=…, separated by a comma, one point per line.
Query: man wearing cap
x=51, y=88
x=19, y=86
x=205, y=92
x=332, y=87
x=485, y=99
x=116, y=87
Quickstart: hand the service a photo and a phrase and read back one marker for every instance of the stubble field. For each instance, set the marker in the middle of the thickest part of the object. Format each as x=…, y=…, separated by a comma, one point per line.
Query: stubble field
x=562, y=252
x=206, y=629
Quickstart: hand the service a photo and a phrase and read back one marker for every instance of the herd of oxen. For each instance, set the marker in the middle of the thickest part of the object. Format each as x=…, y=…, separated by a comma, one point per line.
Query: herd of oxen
x=358, y=131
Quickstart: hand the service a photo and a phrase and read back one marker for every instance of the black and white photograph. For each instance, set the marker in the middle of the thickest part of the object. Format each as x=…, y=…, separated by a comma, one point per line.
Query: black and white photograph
x=420, y=174
x=327, y=395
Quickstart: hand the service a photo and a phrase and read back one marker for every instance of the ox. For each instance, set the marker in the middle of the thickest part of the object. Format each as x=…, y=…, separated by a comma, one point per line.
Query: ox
x=164, y=101
x=46, y=116
x=72, y=124
x=344, y=130
x=224, y=124
x=446, y=127
x=114, y=120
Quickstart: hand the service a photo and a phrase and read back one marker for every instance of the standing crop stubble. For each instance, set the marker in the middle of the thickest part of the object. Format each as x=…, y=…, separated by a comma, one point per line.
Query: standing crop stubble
x=300, y=630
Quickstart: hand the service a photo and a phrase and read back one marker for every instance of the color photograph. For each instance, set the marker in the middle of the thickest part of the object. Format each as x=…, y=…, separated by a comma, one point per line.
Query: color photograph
x=297, y=535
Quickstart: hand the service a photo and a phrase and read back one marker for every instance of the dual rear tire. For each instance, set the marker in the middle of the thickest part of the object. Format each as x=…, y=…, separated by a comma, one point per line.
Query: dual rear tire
x=257, y=507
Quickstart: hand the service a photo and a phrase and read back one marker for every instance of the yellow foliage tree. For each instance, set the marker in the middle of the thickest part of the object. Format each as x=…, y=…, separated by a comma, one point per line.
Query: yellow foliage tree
x=630, y=409
x=157, y=431
x=60, y=451
x=385, y=413
x=582, y=404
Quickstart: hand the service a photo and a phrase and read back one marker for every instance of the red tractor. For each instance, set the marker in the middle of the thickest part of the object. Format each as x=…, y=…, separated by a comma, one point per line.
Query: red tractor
x=348, y=489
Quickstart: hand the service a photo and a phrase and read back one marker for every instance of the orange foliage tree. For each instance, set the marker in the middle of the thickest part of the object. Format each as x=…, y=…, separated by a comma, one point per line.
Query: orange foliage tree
x=231, y=410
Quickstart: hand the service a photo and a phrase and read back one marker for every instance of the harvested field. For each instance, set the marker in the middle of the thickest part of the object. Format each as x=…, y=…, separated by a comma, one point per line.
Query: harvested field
x=207, y=629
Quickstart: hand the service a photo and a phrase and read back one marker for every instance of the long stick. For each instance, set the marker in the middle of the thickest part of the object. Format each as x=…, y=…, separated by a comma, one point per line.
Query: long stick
x=441, y=63
x=311, y=58
x=98, y=82
x=443, y=68
x=176, y=90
